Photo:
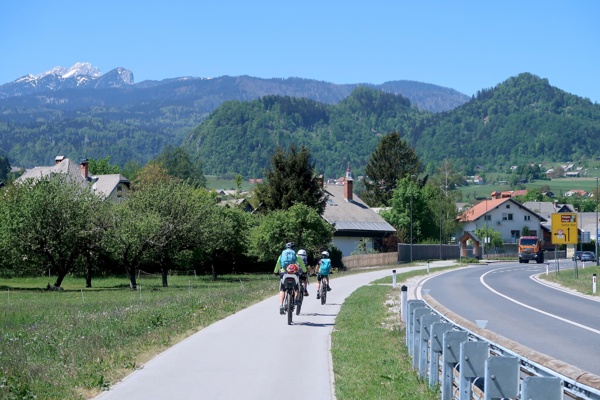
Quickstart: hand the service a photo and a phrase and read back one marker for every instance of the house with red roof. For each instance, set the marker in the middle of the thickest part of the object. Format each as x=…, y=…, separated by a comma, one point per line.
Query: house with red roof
x=504, y=215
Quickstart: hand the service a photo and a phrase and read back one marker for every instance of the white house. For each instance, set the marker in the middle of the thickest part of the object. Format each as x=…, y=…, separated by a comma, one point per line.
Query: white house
x=504, y=215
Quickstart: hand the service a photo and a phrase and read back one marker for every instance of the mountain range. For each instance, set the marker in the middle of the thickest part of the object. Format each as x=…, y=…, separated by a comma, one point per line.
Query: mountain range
x=232, y=124
x=80, y=75
x=80, y=112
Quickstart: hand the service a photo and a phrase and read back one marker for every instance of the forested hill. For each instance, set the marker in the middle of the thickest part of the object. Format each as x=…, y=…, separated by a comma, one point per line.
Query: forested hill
x=521, y=120
x=240, y=137
x=136, y=122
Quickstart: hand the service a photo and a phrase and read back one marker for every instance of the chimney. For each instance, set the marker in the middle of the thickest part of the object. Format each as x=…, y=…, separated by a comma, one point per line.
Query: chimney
x=83, y=168
x=58, y=159
x=348, y=184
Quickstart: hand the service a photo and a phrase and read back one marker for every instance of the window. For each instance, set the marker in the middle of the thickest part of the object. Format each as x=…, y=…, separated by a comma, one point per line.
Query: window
x=508, y=206
x=487, y=218
x=527, y=218
x=514, y=236
x=507, y=217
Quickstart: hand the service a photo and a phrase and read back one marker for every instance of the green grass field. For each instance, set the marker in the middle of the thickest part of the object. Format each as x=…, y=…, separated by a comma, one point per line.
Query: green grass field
x=71, y=344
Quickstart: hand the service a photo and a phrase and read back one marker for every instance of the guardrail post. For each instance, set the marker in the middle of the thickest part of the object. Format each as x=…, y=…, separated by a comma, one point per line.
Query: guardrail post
x=450, y=357
x=501, y=378
x=437, y=336
x=541, y=388
x=472, y=365
x=426, y=321
x=403, y=300
x=419, y=312
x=411, y=306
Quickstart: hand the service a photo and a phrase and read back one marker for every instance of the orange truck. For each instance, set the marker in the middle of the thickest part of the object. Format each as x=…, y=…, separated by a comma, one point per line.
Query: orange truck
x=531, y=248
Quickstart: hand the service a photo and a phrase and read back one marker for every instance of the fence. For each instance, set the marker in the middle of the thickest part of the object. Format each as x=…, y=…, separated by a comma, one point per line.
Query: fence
x=408, y=253
x=370, y=260
x=477, y=364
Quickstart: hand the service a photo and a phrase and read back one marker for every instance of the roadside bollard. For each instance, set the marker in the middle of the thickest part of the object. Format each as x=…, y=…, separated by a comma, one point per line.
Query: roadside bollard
x=403, y=301
x=394, y=278
x=594, y=283
x=547, y=267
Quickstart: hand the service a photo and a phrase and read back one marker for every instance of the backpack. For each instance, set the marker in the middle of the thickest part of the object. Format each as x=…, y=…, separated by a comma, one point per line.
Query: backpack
x=325, y=266
x=288, y=256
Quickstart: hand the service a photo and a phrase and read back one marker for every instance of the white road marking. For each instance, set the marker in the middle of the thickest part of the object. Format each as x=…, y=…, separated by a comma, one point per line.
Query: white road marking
x=482, y=280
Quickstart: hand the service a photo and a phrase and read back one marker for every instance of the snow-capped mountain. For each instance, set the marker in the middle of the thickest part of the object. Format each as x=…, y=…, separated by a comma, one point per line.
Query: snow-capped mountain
x=80, y=75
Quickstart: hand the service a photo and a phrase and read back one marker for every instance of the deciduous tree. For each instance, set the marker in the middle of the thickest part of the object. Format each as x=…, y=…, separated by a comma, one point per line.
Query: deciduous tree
x=50, y=223
x=299, y=224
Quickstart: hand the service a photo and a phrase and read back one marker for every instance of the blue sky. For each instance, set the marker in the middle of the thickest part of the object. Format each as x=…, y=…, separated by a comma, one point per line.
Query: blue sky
x=464, y=45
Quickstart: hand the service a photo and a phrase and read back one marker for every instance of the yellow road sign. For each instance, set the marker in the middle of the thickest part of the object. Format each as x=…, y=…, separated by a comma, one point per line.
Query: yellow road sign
x=564, y=228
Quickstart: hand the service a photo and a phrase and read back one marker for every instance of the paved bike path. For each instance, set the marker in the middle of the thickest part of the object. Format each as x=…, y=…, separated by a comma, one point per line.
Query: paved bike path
x=250, y=354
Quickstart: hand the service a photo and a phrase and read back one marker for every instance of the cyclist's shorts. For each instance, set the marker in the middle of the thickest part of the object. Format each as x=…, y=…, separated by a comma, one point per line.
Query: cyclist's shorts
x=319, y=277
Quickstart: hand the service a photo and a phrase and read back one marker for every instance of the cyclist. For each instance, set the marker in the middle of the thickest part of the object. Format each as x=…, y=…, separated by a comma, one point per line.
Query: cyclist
x=323, y=271
x=304, y=274
x=287, y=258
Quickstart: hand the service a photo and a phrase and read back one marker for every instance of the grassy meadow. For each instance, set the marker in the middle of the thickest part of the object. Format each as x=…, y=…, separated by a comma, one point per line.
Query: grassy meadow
x=71, y=344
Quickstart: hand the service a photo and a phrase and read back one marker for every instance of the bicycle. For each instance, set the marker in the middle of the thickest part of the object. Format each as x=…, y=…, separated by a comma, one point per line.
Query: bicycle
x=323, y=290
x=290, y=282
x=301, y=295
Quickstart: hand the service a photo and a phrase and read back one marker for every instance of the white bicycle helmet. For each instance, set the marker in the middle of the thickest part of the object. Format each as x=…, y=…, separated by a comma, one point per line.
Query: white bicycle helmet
x=325, y=254
x=301, y=252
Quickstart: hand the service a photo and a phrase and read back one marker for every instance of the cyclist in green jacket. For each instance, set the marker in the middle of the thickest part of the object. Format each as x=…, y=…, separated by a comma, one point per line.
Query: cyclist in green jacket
x=287, y=257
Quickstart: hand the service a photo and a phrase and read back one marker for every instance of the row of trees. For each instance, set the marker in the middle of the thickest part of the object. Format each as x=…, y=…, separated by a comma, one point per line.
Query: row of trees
x=165, y=223
x=170, y=221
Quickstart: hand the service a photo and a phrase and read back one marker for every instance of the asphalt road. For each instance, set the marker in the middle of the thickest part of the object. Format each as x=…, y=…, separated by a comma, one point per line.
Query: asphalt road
x=558, y=323
x=253, y=354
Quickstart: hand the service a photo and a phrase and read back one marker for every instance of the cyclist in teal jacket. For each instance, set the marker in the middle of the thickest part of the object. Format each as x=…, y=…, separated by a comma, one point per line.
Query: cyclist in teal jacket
x=323, y=271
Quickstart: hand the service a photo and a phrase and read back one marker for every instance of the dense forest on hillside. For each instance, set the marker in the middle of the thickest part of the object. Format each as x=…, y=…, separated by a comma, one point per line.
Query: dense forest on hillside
x=239, y=137
x=522, y=120
x=137, y=121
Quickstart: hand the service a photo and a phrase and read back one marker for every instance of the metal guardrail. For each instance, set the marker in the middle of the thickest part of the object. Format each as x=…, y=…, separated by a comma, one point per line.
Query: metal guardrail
x=467, y=363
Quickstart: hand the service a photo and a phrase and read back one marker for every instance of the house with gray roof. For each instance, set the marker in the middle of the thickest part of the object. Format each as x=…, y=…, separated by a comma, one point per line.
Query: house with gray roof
x=352, y=219
x=111, y=187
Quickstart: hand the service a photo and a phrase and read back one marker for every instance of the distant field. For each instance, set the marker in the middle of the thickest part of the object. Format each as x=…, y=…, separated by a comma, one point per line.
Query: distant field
x=558, y=186
x=214, y=182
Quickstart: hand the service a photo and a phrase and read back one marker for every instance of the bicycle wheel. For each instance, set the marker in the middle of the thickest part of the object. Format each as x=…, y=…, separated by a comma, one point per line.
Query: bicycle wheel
x=323, y=292
x=290, y=308
x=301, y=298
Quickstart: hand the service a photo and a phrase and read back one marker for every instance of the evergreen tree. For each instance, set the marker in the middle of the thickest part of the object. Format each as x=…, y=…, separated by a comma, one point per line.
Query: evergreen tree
x=393, y=159
x=290, y=180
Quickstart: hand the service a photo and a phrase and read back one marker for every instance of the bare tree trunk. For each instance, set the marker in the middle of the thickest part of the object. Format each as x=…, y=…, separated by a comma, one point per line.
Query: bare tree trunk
x=88, y=271
x=61, y=275
x=88, y=276
x=165, y=273
x=132, y=282
x=213, y=267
